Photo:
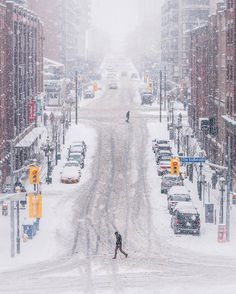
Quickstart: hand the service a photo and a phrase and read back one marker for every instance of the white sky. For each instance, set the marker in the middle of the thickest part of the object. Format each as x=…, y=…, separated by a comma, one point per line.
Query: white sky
x=117, y=17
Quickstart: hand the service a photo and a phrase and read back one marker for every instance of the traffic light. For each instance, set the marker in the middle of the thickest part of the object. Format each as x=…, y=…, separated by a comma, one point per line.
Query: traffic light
x=34, y=175
x=175, y=166
x=95, y=87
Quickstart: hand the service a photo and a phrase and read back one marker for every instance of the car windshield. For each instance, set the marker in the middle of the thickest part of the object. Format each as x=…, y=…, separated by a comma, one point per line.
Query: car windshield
x=171, y=179
x=75, y=156
x=71, y=164
x=180, y=197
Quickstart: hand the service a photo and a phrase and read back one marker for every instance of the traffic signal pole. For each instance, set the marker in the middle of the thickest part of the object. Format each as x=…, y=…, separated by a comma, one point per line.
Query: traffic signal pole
x=76, y=97
x=12, y=203
x=160, y=96
x=229, y=179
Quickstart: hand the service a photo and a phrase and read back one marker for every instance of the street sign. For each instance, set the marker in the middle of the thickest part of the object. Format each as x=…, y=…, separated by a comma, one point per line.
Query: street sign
x=191, y=160
x=204, y=124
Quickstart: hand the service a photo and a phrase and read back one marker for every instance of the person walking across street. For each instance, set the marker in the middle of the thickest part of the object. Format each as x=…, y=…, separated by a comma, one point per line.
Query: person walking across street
x=127, y=116
x=119, y=245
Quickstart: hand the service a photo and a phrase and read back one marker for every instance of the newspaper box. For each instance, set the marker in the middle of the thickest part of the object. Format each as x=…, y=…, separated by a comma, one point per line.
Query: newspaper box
x=221, y=233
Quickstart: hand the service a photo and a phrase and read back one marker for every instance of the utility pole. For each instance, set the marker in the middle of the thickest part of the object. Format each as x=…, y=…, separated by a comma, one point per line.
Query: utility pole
x=187, y=151
x=229, y=179
x=200, y=182
x=165, y=102
x=76, y=98
x=160, y=96
x=12, y=204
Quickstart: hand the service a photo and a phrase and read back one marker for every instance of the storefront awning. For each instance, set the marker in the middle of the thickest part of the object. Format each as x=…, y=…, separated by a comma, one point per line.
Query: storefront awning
x=30, y=138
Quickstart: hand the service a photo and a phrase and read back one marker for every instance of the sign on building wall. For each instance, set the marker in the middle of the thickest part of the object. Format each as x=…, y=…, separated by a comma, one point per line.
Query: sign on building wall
x=32, y=111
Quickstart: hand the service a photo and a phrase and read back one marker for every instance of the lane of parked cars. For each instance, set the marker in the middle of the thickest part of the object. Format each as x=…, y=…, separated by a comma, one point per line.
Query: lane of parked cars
x=185, y=217
x=71, y=172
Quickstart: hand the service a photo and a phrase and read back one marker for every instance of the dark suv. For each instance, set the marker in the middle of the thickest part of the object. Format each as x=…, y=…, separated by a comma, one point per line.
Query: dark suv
x=185, y=219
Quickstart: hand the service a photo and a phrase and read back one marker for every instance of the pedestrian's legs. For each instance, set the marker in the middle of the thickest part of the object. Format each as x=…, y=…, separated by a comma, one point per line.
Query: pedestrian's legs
x=116, y=252
x=123, y=251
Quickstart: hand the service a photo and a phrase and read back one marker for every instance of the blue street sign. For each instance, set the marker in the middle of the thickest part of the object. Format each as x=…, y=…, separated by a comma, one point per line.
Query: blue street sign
x=191, y=160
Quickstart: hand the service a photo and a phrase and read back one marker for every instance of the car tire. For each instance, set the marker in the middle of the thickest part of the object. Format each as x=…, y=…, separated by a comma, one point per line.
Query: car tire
x=175, y=231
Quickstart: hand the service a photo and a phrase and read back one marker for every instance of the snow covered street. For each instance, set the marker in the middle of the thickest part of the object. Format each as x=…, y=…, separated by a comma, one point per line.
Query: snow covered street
x=119, y=191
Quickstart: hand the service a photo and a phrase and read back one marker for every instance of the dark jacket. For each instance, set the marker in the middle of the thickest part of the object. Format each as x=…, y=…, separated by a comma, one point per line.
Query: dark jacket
x=118, y=240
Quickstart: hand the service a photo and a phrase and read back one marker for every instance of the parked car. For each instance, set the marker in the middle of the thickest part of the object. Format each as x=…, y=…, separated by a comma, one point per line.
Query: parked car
x=77, y=157
x=175, y=195
x=113, y=86
x=72, y=163
x=162, y=147
x=168, y=181
x=134, y=76
x=89, y=94
x=77, y=149
x=147, y=98
x=79, y=143
x=70, y=175
x=185, y=219
x=163, y=167
x=162, y=155
x=156, y=143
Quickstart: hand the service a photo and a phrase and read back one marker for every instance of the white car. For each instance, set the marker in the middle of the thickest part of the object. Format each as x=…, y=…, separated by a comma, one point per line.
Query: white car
x=70, y=175
x=163, y=167
x=72, y=163
x=178, y=194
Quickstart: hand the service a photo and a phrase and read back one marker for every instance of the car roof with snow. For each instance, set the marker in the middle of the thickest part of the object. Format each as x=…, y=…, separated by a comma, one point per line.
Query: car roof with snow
x=164, y=145
x=186, y=207
x=178, y=190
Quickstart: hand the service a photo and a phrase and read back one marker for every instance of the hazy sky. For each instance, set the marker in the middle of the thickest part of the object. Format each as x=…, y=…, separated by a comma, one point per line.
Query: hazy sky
x=117, y=17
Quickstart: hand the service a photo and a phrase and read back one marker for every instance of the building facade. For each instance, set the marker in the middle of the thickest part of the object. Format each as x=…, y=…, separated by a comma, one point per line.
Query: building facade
x=65, y=26
x=3, y=115
x=22, y=82
x=217, y=102
x=179, y=17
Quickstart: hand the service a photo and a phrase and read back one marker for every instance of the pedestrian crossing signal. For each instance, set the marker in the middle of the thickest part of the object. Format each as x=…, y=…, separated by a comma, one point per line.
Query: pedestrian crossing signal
x=175, y=166
x=34, y=175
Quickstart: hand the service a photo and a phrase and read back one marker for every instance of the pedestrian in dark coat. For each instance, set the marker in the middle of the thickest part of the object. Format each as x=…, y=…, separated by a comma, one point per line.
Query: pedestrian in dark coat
x=127, y=116
x=119, y=245
x=214, y=180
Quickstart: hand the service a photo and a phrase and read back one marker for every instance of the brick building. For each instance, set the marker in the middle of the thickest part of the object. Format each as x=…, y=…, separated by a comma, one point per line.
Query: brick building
x=213, y=95
x=65, y=26
x=178, y=18
x=2, y=89
x=22, y=78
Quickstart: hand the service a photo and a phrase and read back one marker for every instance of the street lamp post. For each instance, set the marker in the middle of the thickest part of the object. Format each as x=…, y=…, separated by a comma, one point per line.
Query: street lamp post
x=222, y=185
x=48, y=149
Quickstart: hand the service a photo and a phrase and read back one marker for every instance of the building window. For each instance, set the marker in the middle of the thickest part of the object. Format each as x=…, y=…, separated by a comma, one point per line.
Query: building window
x=229, y=71
x=230, y=4
x=229, y=105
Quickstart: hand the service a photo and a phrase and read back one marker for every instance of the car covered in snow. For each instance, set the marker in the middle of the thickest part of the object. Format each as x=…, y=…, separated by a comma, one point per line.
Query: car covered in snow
x=162, y=147
x=113, y=86
x=186, y=219
x=77, y=157
x=168, y=181
x=156, y=143
x=75, y=144
x=163, y=167
x=177, y=194
x=89, y=94
x=147, y=98
x=72, y=163
x=70, y=175
x=162, y=155
x=76, y=149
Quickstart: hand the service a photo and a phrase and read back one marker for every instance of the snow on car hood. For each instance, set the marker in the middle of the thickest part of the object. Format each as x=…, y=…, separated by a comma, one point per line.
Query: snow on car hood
x=70, y=172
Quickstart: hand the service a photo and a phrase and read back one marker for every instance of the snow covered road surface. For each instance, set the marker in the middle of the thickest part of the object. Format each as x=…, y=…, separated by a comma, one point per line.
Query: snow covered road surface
x=117, y=195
